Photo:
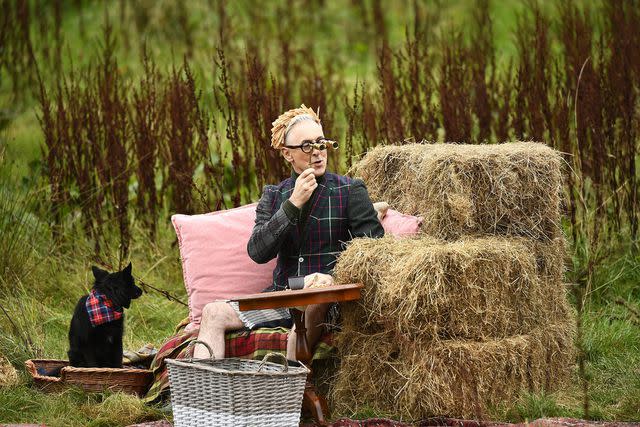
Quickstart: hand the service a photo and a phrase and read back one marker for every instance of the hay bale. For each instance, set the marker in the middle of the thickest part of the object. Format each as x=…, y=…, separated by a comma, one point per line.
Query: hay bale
x=8, y=374
x=473, y=288
x=455, y=378
x=452, y=327
x=507, y=189
x=551, y=257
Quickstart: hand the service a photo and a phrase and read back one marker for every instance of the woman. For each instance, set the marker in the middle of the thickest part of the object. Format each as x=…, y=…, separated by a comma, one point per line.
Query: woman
x=305, y=221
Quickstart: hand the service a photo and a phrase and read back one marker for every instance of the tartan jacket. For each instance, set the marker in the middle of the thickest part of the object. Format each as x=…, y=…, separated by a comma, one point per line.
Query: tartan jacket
x=339, y=210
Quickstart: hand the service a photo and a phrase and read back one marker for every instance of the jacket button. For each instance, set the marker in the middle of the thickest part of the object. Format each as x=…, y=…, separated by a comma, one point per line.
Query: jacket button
x=300, y=259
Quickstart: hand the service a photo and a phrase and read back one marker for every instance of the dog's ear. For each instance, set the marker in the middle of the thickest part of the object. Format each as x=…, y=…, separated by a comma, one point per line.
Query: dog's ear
x=98, y=273
x=127, y=270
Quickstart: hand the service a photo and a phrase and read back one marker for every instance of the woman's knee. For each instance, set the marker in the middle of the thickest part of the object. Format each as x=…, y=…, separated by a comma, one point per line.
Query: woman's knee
x=213, y=312
x=220, y=315
x=317, y=312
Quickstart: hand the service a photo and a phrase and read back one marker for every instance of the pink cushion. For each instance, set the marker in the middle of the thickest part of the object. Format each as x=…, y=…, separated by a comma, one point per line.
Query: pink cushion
x=215, y=263
x=400, y=225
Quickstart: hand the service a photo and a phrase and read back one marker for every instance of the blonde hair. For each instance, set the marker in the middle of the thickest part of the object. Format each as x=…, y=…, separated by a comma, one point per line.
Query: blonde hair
x=285, y=122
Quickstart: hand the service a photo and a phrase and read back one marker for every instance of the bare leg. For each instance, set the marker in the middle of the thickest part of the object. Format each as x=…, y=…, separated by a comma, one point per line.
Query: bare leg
x=314, y=317
x=217, y=318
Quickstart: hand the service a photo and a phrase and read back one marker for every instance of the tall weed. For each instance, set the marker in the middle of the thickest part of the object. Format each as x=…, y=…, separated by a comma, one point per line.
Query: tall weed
x=22, y=233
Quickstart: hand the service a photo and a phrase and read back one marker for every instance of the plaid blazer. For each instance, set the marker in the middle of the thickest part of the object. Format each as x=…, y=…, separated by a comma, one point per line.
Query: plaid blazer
x=315, y=248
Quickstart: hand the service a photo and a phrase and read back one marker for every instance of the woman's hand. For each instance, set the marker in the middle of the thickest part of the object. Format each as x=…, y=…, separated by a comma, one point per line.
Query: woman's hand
x=305, y=184
x=318, y=280
x=381, y=209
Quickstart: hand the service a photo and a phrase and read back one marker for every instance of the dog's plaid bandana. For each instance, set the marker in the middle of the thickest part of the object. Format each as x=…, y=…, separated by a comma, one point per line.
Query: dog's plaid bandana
x=100, y=309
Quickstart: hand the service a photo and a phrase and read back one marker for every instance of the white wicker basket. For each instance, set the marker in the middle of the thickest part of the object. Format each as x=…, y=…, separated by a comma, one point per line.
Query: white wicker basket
x=236, y=392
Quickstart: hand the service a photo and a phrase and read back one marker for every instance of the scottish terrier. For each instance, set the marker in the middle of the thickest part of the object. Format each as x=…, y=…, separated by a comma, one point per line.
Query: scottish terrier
x=97, y=325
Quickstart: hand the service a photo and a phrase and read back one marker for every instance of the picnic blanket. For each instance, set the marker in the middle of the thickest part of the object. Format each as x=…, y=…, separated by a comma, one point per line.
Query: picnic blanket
x=452, y=422
x=245, y=344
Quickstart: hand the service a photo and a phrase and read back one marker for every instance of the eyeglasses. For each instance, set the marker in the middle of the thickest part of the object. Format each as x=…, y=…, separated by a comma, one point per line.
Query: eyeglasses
x=320, y=143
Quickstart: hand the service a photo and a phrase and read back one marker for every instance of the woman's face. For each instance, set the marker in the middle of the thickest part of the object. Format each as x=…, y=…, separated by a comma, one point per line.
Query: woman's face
x=301, y=132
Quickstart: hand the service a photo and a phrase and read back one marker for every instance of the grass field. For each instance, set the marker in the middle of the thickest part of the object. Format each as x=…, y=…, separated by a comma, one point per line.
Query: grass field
x=45, y=267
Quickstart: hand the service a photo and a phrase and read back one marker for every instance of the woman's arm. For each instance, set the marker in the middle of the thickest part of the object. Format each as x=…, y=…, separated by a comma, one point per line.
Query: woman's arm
x=270, y=230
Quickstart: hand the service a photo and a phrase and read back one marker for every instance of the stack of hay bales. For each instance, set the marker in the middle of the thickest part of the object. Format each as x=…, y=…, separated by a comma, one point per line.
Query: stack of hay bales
x=473, y=311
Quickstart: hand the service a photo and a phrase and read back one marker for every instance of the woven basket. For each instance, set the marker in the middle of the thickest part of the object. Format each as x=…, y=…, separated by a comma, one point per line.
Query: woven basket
x=132, y=381
x=236, y=392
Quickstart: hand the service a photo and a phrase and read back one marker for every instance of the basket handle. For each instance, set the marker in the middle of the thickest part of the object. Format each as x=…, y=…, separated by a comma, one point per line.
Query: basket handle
x=285, y=363
x=31, y=367
x=194, y=342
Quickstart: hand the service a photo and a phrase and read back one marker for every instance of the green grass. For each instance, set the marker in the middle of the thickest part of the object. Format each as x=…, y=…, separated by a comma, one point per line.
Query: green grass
x=534, y=406
x=613, y=352
x=23, y=139
x=613, y=370
x=73, y=407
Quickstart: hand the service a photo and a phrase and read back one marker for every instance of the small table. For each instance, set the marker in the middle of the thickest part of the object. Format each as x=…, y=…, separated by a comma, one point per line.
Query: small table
x=311, y=402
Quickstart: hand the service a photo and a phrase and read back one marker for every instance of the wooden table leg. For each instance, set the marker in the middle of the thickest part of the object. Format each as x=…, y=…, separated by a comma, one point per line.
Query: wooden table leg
x=312, y=403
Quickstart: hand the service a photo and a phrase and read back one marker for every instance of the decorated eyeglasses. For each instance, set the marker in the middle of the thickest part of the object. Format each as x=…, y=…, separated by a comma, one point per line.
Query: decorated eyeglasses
x=319, y=143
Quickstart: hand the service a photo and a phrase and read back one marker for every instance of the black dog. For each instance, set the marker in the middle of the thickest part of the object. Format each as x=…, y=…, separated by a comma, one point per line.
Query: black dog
x=97, y=326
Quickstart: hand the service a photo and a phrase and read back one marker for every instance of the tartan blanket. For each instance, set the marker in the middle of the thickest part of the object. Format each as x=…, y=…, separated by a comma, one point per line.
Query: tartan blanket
x=245, y=344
